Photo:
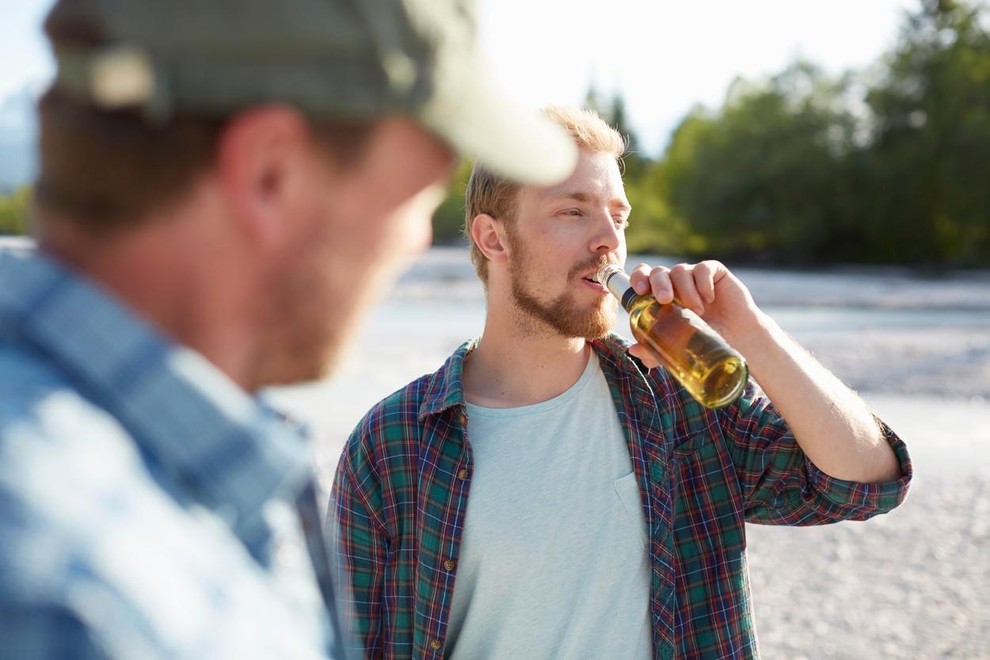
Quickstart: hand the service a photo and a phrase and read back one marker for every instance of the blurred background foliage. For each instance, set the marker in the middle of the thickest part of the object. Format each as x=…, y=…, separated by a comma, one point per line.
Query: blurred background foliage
x=15, y=209
x=886, y=165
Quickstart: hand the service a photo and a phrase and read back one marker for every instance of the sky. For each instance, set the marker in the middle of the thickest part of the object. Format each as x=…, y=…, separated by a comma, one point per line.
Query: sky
x=662, y=56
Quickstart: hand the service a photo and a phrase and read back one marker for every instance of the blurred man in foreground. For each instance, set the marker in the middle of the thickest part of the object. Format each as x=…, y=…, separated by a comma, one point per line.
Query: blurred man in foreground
x=544, y=495
x=225, y=187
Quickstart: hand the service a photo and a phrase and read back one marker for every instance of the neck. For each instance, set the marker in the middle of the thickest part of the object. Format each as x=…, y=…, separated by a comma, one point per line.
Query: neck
x=171, y=273
x=521, y=364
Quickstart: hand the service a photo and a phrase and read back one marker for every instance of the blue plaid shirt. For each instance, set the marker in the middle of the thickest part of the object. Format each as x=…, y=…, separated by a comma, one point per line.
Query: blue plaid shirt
x=147, y=505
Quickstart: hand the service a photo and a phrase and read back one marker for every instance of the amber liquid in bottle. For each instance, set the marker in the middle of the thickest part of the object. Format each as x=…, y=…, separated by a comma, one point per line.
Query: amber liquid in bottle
x=698, y=357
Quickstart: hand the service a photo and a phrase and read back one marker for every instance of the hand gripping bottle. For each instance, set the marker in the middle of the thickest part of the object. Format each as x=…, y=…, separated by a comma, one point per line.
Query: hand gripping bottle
x=698, y=357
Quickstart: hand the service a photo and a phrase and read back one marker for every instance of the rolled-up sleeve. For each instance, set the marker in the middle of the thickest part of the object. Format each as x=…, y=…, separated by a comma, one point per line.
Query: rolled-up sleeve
x=782, y=486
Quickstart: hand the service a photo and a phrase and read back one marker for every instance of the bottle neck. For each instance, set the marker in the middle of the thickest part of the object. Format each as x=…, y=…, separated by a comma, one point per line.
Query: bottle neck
x=612, y=277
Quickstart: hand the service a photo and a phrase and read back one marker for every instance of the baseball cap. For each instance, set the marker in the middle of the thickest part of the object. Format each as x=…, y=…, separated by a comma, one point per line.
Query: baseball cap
x=329, y=58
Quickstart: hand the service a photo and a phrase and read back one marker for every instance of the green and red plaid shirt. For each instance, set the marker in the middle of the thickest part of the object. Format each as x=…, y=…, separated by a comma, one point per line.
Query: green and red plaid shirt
x=401, y=489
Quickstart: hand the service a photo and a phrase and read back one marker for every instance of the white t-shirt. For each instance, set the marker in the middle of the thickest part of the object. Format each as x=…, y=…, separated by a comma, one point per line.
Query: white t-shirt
x=553, y=561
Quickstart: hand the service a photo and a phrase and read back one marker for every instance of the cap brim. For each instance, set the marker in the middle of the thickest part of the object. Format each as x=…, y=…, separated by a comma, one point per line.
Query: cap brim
x=479, y=121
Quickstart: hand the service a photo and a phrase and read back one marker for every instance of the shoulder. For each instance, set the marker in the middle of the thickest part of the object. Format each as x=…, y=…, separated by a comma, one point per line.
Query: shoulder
x=619, y=366
x=63, y=463
x=383, y=445
x=48, y=427
x=400, y=408
x=66, y=468
x=408, y=407
x=41, y=408
x=660, y=401
x=392, y=432
x=25, y=374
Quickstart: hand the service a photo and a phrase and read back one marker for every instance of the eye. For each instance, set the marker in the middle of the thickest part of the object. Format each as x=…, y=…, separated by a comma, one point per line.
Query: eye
x=621, y=221
x=572, y=212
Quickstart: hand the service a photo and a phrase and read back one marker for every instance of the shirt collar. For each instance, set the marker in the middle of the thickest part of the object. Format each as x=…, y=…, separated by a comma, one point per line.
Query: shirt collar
x=226, y=449
x=445, y=388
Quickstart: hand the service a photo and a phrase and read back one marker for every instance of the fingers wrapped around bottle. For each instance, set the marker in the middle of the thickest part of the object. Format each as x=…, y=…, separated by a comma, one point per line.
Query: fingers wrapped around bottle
x=690, y=285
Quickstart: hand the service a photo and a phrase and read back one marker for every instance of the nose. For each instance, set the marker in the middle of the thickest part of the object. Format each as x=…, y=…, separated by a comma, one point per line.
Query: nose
x=609, y=236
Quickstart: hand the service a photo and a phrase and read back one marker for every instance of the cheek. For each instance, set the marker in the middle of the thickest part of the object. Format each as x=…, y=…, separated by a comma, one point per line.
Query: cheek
x=386, y=244
x=411, y=226
x=411, y=230
x=370, y=234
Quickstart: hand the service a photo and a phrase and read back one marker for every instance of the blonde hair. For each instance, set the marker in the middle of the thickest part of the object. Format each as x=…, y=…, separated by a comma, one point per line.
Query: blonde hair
x=496, y=196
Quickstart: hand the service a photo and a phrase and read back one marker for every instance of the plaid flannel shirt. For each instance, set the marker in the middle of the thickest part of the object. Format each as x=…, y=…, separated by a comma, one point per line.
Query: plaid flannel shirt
x=401, y=488
x=148, y=506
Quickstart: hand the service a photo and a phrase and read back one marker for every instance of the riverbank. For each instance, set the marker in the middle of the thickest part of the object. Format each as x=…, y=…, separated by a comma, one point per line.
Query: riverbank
x=908, y=585
x=911, y=584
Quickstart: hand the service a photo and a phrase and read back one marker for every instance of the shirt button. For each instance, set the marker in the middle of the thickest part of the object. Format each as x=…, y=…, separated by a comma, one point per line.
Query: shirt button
x=449, y=564
x=463, y=474
x=436, y=644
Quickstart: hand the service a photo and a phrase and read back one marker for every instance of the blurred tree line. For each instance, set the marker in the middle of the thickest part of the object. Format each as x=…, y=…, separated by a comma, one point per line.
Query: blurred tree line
x=887, y=165
x=14, y=211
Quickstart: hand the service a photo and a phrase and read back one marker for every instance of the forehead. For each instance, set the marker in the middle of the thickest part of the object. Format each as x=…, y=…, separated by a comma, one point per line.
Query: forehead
x=596, y=175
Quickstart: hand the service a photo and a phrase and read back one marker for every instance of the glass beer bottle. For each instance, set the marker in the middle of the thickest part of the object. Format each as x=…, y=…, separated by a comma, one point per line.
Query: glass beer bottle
x=699, y=358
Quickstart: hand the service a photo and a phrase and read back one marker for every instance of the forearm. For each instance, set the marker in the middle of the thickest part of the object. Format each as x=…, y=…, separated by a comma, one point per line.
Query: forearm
x=830, y=422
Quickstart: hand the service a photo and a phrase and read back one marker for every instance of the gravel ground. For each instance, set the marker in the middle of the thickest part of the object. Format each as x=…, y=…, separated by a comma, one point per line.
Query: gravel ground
x=916, y=582
x=911, y=584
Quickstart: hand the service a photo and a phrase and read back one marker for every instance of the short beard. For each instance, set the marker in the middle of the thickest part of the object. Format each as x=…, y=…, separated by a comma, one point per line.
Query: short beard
x=562, y=315
x=303, y=339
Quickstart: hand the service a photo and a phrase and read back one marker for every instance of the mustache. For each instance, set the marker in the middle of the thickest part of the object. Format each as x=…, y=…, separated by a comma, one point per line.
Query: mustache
x=594, y=263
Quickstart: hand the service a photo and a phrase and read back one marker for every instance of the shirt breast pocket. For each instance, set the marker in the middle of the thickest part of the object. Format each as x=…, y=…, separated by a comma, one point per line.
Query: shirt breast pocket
x=627, y=490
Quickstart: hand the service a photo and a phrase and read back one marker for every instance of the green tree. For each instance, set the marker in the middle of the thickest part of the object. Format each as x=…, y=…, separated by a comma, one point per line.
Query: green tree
x=15, y=212
x=764, y=176
x=613, y=110
x=930, y=153
x=448, y=221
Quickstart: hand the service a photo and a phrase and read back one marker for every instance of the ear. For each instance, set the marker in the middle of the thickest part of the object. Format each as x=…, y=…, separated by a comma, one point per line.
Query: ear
x=260, y=159
x=488, y=233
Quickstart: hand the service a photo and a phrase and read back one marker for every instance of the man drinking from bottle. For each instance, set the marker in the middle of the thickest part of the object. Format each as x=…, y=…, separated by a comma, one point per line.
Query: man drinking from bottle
x=550, y=492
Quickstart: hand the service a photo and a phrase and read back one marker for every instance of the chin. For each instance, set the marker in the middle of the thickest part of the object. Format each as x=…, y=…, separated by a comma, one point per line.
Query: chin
x=602, y=323
x=297, y=369
x=598, y=334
